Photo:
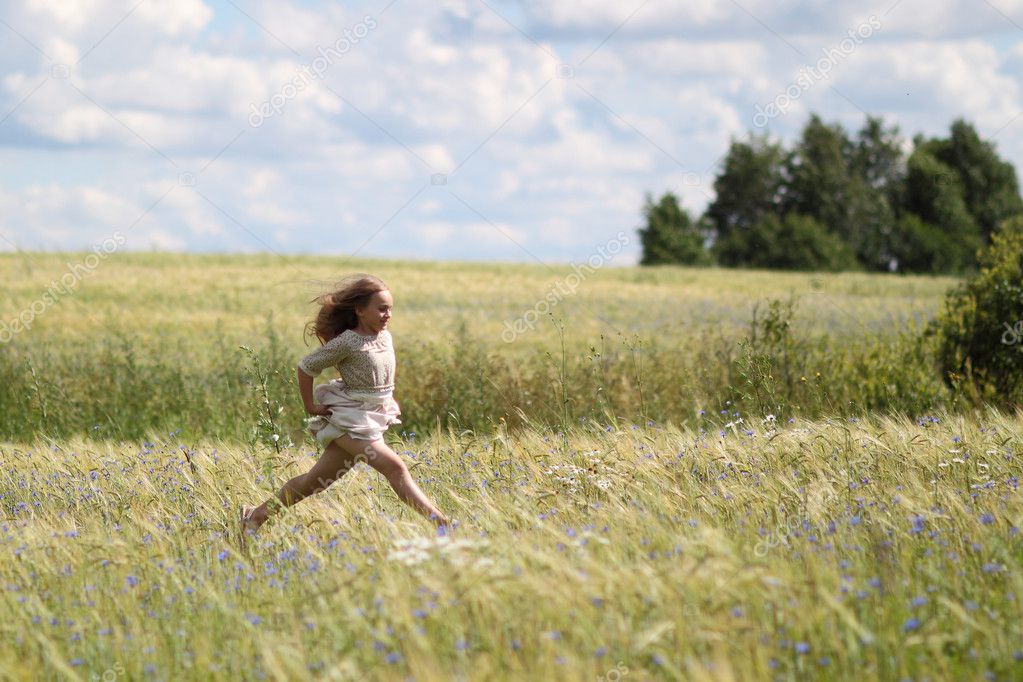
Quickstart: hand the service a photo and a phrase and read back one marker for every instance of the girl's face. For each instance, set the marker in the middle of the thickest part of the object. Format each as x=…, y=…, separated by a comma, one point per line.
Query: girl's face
x=377, y=313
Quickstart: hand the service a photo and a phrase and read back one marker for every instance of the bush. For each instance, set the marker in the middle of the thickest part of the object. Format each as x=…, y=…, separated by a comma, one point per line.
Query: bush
x=980, y=330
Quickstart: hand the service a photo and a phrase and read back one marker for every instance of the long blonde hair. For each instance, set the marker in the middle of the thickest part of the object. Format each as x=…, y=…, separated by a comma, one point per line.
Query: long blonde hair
x=337, y=307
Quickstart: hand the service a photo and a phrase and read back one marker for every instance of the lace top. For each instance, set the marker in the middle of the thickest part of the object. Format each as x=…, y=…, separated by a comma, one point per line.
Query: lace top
x=365, y=363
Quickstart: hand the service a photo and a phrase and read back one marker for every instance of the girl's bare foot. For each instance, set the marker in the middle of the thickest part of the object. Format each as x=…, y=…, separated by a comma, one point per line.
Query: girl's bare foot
x=248, y=526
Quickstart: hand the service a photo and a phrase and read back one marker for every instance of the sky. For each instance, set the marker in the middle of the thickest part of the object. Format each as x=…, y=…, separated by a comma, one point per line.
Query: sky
x=470, y=130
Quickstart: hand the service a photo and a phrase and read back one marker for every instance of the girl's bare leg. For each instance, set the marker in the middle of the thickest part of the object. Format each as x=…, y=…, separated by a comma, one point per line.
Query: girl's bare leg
x=334, y=463
x=385, y=460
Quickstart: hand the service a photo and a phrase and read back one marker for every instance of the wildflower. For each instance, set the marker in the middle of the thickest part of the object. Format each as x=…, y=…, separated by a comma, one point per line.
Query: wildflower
x=987, y=519
x=802, y=648
x=911, y=624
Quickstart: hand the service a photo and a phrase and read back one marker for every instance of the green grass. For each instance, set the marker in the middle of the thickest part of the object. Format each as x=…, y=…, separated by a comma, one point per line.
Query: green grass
x=149, y=342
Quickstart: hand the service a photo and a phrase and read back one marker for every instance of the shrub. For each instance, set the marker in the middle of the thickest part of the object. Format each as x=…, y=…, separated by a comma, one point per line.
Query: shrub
x=980, y=329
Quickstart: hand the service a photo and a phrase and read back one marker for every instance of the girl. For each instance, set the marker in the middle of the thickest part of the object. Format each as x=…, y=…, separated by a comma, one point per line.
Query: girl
x=350, y=414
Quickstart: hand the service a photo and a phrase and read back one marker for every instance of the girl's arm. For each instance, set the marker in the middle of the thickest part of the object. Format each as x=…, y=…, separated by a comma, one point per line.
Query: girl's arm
x=305, y=389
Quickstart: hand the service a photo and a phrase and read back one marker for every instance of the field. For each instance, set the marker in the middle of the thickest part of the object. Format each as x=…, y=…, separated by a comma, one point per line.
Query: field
x=151, y=343
x=650, y=484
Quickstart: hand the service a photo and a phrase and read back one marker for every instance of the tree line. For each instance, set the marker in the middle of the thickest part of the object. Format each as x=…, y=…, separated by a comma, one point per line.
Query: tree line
x=837, y=202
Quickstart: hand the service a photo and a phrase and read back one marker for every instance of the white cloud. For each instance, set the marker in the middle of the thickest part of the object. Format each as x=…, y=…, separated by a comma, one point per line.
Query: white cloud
x=439, y=86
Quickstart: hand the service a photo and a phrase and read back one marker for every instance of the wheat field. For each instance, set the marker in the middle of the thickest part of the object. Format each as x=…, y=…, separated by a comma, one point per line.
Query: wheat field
x=738, y=542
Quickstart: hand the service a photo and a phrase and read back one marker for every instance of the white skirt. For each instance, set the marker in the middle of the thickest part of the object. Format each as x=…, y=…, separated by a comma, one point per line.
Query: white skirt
x=363, y=416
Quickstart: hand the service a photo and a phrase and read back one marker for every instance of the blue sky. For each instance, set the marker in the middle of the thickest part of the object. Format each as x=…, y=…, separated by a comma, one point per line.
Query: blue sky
x=480, y=130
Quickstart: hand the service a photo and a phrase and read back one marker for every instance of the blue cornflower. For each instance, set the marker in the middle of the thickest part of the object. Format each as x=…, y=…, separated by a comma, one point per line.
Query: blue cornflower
x=393, y=657
x=802, y=648
x=987, y=519
x=919, y=601
x=911, y=624
x=599, y=653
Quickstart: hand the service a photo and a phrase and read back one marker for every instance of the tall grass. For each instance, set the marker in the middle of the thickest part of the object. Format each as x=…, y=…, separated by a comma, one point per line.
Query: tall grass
x=118, y=386
x=868, y=549
x=152, y=343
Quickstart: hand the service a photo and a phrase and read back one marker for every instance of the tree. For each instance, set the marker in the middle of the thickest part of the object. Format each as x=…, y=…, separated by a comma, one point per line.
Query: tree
x=989, y=186
x=820, y=184
x=879, y=164
x=793, y=242
x=934, y=195
x=749, y=187
x=670, y=235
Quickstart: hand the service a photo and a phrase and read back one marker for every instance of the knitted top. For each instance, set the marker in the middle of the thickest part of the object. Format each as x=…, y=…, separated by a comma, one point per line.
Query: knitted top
x=365, y=363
